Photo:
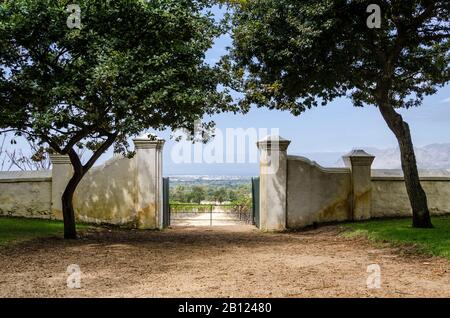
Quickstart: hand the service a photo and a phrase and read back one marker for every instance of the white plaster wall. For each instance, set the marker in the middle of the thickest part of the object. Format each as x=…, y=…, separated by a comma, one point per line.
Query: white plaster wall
x=316, y=194
x=107, y=193
x=122, y=191
x=26, y=194
x=389, y=197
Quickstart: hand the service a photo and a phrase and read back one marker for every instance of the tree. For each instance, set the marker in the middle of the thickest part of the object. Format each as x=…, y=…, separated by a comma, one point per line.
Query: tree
x=130, y=65
x=220, y=195
x=293, y=55
x=197, y=194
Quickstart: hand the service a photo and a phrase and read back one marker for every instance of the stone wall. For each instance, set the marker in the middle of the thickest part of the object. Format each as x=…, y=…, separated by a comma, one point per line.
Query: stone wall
x=122, y=191
x=301, y=193
x=107, y=194
x=294, y=191
x=26, y=194
x=389, y=197
x=316, y=194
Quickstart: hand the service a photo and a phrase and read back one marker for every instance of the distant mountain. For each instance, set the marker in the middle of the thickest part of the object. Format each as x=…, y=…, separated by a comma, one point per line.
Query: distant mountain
x=434, y=156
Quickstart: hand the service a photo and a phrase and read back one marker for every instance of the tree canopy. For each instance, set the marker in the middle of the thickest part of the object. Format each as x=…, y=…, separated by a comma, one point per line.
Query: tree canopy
x=131, y=65
x=293, y=55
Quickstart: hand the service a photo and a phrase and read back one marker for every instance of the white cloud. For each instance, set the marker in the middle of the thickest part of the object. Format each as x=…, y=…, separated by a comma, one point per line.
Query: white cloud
x=446, y=100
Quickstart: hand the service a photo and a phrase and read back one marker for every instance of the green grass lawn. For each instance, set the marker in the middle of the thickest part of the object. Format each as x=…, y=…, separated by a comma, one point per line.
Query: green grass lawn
x=434, y=241
x=14, y=230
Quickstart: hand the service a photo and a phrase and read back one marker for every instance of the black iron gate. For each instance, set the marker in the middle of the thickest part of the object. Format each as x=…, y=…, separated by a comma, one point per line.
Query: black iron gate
x=255, y=201
x=166, y=205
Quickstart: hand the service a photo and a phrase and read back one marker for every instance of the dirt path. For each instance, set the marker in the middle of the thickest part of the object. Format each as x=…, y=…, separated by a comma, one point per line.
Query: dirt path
x=205, y=219
x=233, y=261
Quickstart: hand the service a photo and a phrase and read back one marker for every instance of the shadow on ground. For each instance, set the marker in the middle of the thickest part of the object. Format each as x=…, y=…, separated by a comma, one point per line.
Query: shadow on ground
x=235, y=261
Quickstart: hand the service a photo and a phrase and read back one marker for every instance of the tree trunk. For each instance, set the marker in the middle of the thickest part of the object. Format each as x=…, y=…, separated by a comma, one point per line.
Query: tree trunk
x=70, y=231
x=416, y=194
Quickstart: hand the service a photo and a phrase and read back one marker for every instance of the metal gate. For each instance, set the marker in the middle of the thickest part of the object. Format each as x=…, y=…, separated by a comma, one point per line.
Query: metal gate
x=166, y=205
x=255, y=199
x=209, y=214
x=254, y=212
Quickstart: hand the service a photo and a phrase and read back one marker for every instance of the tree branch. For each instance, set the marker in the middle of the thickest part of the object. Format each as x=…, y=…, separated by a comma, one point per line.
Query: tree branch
x=74, y=140
x=100, y=151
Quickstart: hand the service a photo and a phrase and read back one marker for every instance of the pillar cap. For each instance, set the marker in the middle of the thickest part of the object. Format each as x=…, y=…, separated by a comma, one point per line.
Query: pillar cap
x=273, y=142
x=59, y=159
x=358, y=157
x=148, y=143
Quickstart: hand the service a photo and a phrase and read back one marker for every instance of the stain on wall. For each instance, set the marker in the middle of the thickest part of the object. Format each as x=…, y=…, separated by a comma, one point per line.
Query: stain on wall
x=316, y=194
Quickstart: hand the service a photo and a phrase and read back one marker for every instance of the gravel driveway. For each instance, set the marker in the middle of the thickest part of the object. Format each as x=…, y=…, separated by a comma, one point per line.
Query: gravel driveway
x=233, y=261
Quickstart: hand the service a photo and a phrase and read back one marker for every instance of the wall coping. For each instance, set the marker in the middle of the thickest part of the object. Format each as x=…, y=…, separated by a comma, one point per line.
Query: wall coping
x=358, y=157
x=111, y=161
x=147, y=143
x=315, y=164
x=397, y=175
x=58, y=159
x=273, y=142
x=25, y=176
x=401, y=178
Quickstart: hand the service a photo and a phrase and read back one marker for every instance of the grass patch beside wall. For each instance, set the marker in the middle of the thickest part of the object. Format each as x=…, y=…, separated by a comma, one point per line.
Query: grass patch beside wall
x=14, y=230
x=434, y=241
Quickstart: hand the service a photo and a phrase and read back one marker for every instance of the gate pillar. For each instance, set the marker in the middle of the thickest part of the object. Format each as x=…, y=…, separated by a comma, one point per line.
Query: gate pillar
x=273, y=183
x=62, y=172
x=360, y=163
x=149, y=183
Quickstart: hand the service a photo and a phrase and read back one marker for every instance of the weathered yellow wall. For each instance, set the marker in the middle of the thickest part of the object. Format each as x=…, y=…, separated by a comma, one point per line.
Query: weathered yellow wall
x=128, y=192
x=316, y=194
x=107, y=194
x=25, y=194
x=389, y=197
x=122, y=191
